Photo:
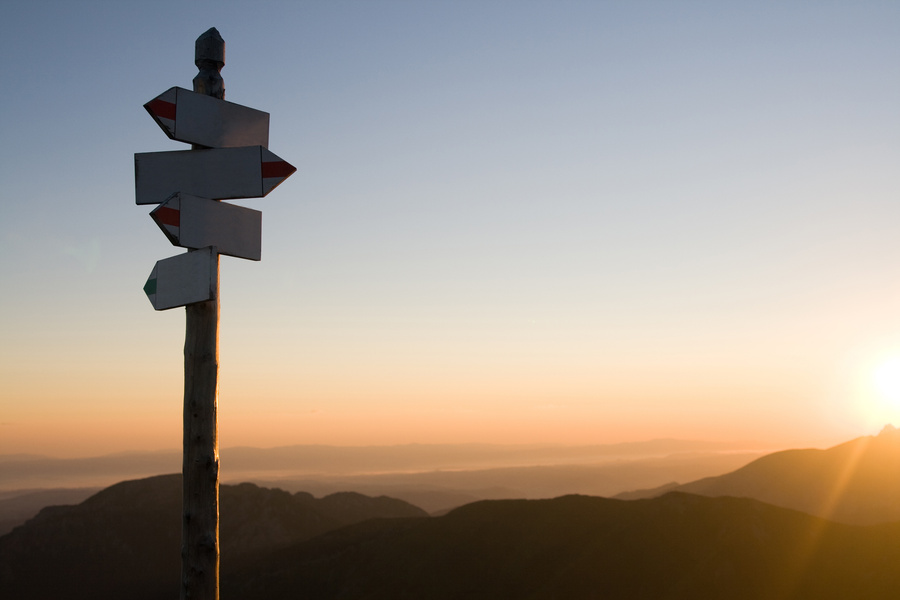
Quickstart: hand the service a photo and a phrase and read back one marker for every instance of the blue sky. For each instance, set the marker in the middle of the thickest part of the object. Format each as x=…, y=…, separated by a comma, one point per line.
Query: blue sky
x=511, y=221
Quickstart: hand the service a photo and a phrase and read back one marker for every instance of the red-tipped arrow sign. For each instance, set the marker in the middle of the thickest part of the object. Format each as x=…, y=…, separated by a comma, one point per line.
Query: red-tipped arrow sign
x=221, y=173
x=192, y=222
x=207, y=121
x=183, y=279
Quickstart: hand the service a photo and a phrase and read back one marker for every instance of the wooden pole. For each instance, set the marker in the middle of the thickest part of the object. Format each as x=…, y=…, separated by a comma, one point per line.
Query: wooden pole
x=200, y=469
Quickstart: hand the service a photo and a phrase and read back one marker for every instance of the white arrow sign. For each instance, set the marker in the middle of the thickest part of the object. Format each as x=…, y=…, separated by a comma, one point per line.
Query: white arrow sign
x=221, y=173
x=183, y=279
x=207, y=121
x=192, y=222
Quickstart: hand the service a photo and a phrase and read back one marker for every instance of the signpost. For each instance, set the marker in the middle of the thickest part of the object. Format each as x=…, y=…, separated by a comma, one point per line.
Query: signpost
x=229, y=160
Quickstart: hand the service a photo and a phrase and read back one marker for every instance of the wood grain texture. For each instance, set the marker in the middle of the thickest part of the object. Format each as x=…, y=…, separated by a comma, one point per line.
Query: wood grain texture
x=200, y=519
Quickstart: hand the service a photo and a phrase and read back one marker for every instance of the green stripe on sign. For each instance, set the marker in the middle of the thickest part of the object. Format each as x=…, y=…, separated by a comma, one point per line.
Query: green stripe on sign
x=150, y=286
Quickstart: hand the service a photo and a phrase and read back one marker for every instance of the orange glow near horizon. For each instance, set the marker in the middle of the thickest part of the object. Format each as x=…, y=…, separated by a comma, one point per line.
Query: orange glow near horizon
x=456, y=415
x=527, y=399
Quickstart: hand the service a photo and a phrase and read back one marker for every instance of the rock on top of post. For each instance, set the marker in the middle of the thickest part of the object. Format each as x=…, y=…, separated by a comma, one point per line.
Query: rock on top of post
x=210, y=46
x=209, y=56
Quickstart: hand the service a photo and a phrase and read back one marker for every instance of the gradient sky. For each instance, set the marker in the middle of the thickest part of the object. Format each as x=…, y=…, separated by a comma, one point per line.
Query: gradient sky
x=512, y=222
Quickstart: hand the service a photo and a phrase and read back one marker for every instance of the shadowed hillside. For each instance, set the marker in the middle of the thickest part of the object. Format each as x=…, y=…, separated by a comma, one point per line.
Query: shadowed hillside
x=676, y=546
x=124, y=542
x=22, y=505
x=857, y=482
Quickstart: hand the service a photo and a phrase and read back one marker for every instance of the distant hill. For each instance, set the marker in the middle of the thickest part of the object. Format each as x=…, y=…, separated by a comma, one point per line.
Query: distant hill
x=677, y=546
x=24, y=504
x=124, y=542
x=857, y=482
x=32, y=472
x=250, y=464
x=438, y=491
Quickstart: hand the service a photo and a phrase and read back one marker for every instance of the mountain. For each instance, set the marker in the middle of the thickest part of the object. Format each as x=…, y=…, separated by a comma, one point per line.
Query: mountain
x=676, y=546
x=124, y=542
x=17, y=507
x=857, y=482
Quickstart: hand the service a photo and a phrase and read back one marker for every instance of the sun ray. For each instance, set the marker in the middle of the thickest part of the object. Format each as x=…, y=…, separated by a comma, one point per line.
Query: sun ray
x=807, y=545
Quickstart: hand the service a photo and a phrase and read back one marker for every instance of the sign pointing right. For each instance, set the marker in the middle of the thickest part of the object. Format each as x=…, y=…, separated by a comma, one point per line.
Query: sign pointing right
x=220, y=173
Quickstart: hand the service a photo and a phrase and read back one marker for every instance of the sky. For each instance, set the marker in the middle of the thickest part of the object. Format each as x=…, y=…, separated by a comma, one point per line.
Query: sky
x=512, y=222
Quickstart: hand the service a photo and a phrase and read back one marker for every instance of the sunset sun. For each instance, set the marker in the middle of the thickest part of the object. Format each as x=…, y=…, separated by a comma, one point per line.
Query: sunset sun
x=886, y=381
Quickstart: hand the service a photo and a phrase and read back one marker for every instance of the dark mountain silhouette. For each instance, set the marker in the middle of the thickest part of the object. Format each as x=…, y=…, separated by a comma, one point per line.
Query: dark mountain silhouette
x=24, y=504
x=124, y=542
x=857, y=482
x=676, y=546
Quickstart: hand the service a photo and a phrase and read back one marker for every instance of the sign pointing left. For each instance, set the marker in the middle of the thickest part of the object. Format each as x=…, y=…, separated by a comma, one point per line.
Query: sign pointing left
x=183, y=279
x=192, y=222
x=207, y=121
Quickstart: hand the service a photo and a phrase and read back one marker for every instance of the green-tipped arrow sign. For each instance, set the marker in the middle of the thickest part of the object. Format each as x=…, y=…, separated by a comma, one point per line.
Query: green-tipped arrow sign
x=183, y=279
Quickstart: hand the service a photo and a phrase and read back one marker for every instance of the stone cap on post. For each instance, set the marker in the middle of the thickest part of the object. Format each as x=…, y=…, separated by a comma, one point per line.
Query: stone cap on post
x=209, y=56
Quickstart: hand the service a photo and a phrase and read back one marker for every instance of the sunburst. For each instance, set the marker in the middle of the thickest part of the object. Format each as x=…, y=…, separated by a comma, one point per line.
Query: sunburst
x=886, y=379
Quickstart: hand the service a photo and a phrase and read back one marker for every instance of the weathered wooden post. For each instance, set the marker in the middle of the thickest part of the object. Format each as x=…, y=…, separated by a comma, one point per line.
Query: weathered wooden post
x=200, y=467
x=229, y=159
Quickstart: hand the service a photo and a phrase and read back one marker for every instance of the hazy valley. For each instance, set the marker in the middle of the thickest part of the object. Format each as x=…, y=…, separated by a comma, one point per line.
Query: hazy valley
x=434, y=477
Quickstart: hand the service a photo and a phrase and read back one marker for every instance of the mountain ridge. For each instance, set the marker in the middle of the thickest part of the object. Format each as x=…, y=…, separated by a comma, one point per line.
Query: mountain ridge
x=127, y=537
x=856, y=482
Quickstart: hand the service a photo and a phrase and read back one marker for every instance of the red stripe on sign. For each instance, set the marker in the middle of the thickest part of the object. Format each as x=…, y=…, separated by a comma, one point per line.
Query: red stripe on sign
x=162, y=109
x=168, y=216
x=277, y=169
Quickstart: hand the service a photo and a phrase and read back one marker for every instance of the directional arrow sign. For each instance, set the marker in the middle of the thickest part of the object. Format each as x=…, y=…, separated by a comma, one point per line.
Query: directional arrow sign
x=183, y=279
x=192, y=222
x=207, y=121
x=221, y=173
